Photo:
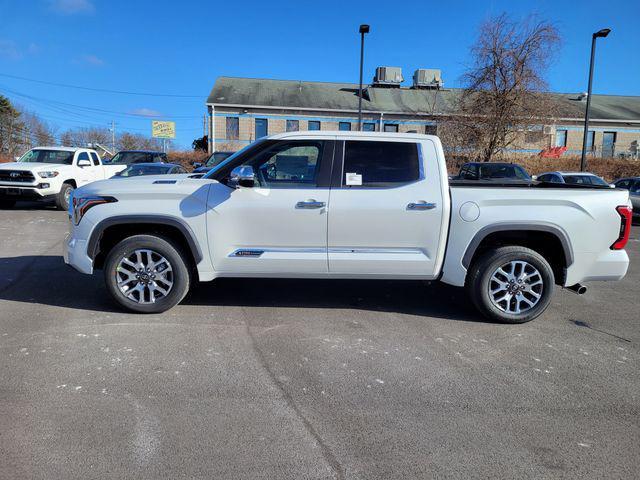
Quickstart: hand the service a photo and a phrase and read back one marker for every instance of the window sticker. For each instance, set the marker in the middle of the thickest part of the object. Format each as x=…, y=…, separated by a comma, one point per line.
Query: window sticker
x=353, y=179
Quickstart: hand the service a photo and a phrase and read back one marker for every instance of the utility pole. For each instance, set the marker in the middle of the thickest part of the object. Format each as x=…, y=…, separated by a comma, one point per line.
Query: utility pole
x=113, y=135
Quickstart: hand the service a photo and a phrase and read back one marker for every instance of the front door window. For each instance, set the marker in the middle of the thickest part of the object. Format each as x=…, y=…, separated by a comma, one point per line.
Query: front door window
x=288, y=165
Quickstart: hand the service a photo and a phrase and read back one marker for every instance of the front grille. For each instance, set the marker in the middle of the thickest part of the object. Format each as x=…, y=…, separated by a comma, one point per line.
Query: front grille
x=16, y=176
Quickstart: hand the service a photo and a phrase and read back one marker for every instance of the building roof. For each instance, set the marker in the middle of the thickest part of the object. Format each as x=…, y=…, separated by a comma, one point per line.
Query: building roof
x=295, y=94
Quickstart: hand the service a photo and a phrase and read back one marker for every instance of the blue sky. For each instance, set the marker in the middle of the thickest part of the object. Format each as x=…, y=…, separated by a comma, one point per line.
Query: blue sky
x=181, y=47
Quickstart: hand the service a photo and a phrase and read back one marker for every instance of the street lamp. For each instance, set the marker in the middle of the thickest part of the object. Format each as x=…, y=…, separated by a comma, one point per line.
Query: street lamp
x=599, y=34
x=363, y=29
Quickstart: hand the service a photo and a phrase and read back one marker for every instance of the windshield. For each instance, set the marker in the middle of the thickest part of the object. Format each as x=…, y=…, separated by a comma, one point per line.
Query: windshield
x=230, y=159
x=129, y=157
x=137, y=170
x=503, y=171
x=48, y=156
x=217, y=158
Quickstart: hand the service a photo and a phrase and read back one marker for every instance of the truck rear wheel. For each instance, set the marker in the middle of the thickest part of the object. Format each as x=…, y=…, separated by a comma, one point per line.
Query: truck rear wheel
x=147, y=274
x=510, y=284
x=63, y=197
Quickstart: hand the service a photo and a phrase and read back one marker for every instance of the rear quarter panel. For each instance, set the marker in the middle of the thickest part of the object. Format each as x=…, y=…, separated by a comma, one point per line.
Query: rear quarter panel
x=587, y=217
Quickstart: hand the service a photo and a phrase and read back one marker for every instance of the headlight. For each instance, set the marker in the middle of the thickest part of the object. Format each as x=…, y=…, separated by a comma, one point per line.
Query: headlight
x=81, y=205
x=50, y=174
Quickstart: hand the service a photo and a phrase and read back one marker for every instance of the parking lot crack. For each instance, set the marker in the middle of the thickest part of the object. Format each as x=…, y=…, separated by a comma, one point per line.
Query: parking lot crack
x=327, y=454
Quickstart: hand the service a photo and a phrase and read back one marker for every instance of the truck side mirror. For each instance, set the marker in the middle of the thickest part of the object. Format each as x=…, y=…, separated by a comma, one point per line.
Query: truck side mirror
x=243, y=176
x=84, y=163
x=197, y=164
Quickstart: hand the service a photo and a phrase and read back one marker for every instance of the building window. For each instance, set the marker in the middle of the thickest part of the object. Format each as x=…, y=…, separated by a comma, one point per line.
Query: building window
x=534, y=137
x=381, y=164
x=233, y=128
x=590, y=140
x=314, y=125
x=391, y=127
x=608, y=144
x=368, y=127
x=293, y=125
x=344, y=126
x=262, y=127
x=561, y=138
x=431, y=129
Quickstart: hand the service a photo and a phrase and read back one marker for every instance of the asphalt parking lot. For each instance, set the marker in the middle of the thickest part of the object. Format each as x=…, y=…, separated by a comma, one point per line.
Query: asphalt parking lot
x=306, y=379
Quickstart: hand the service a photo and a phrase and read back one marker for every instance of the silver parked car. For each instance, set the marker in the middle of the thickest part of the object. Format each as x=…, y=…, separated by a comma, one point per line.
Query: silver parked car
x=575, y=178
x=633, y=185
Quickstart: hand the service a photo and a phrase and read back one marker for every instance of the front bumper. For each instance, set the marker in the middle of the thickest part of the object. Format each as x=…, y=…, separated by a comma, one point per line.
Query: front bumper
x=74, y=252
x=25, y=192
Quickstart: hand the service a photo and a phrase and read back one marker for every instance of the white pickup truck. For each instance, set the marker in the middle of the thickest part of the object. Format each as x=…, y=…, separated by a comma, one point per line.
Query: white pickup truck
x=51, y=173
x=348, y=205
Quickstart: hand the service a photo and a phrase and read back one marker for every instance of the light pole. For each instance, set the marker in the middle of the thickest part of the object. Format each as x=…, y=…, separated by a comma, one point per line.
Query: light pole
x=363, y=29
x=599, y=34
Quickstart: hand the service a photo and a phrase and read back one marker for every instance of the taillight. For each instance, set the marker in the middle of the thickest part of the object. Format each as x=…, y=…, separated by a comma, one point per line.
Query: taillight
x=625, y=213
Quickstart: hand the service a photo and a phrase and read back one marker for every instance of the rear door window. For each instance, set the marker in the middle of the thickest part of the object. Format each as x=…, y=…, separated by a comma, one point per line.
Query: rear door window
x=94, y=157
x=380, y=164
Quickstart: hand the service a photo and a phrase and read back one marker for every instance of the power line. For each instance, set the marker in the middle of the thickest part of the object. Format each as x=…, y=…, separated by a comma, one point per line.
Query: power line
x=93, y=109
x=102, y=90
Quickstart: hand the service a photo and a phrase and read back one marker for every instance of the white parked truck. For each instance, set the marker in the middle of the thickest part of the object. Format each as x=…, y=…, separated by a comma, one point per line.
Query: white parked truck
x=51, y=173
x=348, y=205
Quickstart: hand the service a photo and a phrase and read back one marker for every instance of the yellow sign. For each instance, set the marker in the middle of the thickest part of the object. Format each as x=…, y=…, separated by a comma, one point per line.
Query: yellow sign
x=160, y=129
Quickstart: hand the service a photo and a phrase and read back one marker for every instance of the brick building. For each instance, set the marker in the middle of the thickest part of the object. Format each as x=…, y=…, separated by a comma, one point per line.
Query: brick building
x=243, y=109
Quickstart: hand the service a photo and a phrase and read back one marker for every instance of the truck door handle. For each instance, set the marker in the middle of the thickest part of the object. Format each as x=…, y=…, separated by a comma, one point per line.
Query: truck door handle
x=310, y=204
x=421, y=206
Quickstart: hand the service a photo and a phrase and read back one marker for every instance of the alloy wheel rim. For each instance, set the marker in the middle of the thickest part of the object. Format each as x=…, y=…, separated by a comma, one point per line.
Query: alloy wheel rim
x=516, y=287
x=144, y=276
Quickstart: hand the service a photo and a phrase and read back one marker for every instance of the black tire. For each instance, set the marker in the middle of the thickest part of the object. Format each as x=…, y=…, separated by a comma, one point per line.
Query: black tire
x=181, y=274
x=7, y=204
x=62, y=199
x=479, y=282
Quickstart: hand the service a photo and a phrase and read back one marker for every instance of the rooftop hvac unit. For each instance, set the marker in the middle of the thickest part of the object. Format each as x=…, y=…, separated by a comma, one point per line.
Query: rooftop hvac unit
x=547, y=130
x=427, y=78
x=388, y=77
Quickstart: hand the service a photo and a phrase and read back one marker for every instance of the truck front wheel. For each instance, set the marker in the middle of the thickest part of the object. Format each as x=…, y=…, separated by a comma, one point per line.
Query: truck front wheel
x=510, y=284
x=64, y=196
x=6, y=204
x=147, y=274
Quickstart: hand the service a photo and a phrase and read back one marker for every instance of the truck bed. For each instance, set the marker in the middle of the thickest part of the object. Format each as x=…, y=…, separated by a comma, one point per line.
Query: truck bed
x=524, y=184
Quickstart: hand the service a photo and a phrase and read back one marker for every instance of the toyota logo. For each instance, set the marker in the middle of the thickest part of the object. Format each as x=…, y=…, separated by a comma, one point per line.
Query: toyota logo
x=15, y=174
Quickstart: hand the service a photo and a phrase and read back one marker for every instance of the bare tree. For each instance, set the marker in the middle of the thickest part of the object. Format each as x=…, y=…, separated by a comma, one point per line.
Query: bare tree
x=137, y=141
x=37, y=132
x=504, y=87
x=81, y=137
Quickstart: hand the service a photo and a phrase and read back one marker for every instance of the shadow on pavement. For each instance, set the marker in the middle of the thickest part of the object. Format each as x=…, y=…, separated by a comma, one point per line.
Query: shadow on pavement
x=33, y=205
x=47, y=280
